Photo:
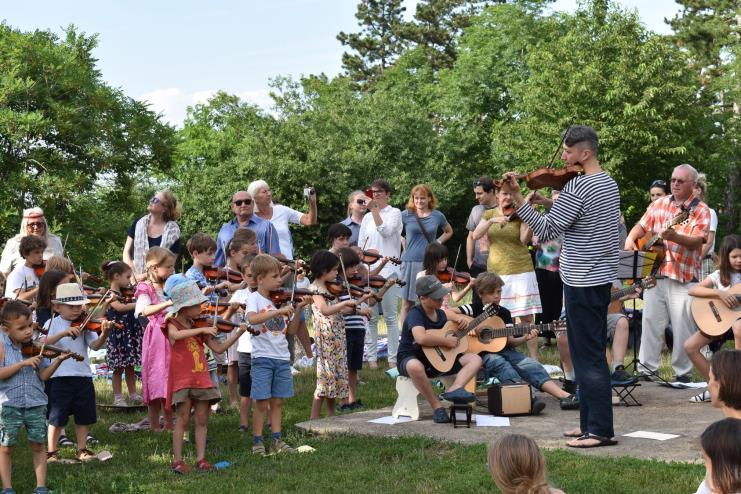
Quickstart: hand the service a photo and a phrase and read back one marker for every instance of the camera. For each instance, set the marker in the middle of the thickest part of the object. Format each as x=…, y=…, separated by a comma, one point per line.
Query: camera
x=308, y=192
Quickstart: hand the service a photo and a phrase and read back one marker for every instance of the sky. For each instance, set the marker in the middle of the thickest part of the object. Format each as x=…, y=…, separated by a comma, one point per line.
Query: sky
x=173, y=54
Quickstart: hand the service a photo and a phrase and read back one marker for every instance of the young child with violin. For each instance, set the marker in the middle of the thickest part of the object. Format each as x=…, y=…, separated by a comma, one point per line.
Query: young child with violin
x=22, y=397
x=124, y=346
x=190, y=386
x=151, y=303
x=271, y=362
x=71, y=390
x=435, y=263
x=23, y=281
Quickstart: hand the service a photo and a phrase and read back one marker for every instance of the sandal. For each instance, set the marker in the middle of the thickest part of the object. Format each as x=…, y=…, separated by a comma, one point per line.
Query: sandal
x=204, y=466
x=52, y=457
x=603, y=441
x=573, y=434
x=180, y=467
x=85, y=454
x=703, y=397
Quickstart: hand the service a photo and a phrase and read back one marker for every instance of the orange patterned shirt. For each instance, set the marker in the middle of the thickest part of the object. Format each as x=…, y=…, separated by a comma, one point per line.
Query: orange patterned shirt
x=680, y=263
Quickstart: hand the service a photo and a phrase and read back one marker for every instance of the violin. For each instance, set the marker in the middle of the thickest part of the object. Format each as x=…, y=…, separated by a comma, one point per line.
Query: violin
x=94, y=324
x=509, y=211
x=39, y=269
x=451, y=275
x=372, y=256
x=214, y=274
x=547, y=177
x=296, y=265
x=209, y=308
x=32, y=349
x=283, y=295
x=222, y=325
x=339, y=287
x=373, y=281
x=125, y=294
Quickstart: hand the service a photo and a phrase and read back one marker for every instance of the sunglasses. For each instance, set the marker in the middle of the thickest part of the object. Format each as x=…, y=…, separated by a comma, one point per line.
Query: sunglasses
x=658, y=183
x=154, y=200
x=678, y=181
x=36, y=225
x=239, y=202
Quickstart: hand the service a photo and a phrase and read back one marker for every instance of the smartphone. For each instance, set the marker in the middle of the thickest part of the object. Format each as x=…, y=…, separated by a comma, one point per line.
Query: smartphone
x=369, y=192
x=308, y=192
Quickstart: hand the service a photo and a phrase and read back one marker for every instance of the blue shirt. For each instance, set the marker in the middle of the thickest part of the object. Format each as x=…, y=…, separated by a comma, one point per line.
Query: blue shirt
x=416, y=241
x=267, y=237
x=23, y=389
x=354, y=228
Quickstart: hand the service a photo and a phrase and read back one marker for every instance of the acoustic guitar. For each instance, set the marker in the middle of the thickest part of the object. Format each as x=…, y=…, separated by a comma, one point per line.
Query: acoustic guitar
x=652, y=242
x=712, y=316
x=491, y=335
x=616, y=305
x=443, y=358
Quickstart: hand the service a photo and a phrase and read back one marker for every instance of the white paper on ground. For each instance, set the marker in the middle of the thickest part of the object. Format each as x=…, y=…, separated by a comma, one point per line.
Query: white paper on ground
x=678, y=385
x=390, y=420
x=659, y=436
x=491, y=421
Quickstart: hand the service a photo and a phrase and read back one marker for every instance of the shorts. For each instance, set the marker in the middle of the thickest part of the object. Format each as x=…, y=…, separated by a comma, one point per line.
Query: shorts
x=612, y=320
x=271, y=378
x=12, y=419
x=210, y=395
x=401, y=366
x=72, y=396
x=245, y=375
x=355, y=345
x=220, y=358
x=231, y=355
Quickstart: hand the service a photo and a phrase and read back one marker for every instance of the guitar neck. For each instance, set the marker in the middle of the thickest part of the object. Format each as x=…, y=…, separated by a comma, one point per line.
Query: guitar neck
x=628, y=290
x=523, y=329
x=488, y=312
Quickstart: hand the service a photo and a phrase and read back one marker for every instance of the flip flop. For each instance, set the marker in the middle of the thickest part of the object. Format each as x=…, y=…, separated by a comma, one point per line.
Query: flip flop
x=603, y=441
x=573, y=434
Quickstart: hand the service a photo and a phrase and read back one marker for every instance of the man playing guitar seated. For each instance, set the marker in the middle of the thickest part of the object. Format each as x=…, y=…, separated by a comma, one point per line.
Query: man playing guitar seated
x=412, y=362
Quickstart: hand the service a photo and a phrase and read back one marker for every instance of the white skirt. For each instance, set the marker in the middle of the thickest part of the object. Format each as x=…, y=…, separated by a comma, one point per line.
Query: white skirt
x=520, y=294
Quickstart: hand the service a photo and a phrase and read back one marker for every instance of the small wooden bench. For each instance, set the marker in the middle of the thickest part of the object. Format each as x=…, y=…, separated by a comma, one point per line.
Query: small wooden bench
x=406, y=403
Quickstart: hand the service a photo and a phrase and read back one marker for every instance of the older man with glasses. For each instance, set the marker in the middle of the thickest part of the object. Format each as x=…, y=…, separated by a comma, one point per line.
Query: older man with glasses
x=32, y=223
x=243, y=207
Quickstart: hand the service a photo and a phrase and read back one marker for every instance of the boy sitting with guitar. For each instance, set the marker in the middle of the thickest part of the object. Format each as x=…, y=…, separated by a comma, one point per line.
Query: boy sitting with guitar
x=500, y=358
x=425, y=326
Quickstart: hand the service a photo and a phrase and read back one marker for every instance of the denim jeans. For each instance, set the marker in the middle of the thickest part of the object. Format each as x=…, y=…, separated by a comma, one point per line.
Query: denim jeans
x=511, y=366
x=587, y=329
x=390, y=304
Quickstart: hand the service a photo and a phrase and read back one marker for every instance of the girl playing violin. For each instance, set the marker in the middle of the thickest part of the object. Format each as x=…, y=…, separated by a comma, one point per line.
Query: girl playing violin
x=435, y=262
x=125, y=346
x=329, y=332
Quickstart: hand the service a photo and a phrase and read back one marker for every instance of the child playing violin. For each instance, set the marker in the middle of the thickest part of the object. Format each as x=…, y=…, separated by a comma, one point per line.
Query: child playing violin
x=436, y=261
x=125, y=346
x=23, y=282
x=189, y=384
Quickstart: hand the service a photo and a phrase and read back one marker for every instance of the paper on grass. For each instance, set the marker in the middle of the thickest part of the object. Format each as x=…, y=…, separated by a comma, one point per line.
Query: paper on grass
x=491, y=421
x=659, y=436
x=390, y=420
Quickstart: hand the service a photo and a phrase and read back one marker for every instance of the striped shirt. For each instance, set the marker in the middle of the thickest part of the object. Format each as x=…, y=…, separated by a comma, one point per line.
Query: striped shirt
x=587, y=214
x=354, y=322
x=23, y=389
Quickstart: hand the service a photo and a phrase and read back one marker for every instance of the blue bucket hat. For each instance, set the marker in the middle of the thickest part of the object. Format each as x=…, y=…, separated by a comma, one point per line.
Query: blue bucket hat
x=185, y=294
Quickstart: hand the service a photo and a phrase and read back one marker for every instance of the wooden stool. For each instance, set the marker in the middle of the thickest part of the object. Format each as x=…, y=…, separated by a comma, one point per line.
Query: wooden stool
x=406, y=403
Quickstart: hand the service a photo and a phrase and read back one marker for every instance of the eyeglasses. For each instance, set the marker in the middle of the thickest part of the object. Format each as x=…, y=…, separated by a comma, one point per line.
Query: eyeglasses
x=40, y=224
x=239, y=202
x=678, y=181
x=377, y=191
x=154, y=200
x=657, y=183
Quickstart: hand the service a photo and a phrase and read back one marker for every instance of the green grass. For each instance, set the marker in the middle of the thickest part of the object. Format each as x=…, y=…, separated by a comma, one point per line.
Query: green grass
x=341, y=463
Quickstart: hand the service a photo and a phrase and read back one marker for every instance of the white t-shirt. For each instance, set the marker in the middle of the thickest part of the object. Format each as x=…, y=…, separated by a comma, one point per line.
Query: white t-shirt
x=244, y=344
x=282, y=216
x=703, y=488
x=713, y=227
x=715, y=278
x=22, y=277
x=271, y=342
x=385, y=238
x=79, y=345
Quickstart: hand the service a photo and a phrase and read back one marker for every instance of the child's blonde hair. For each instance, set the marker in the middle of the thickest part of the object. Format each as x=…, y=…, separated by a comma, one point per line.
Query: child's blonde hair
x=488, y=282
x=264, y=264
x=156, y=256
x=59, y=263
x=517, y=465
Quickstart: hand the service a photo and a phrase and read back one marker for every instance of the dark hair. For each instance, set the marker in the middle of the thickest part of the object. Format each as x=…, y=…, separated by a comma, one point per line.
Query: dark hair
x=729, y=242
x=112, y=268
x=13, y=309
x=488, y=282
x=434, y=253
x=336, y=231
x=578, y=134
x=725, y=366
x=660, y=184
x=349, y=257
x=237, y=243
x=382, y=184
x=721, y=441
x=48, y=286
x=486, y=184
x=30, y=243
x=200, y=242
x=322, y=262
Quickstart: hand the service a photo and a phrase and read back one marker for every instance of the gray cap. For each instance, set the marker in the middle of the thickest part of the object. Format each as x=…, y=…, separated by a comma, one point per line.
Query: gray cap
x=430, y=286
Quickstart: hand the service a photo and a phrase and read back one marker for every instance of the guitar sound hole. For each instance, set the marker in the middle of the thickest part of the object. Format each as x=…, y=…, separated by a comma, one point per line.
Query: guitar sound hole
x=485, y=335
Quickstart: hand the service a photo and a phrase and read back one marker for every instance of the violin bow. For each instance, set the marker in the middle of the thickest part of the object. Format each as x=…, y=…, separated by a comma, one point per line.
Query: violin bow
x=344, y=275
x=563, y=139
x=456, y=257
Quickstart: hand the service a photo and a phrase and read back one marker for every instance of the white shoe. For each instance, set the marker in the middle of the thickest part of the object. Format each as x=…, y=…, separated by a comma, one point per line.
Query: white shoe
x=703, y=397
x=120, y=402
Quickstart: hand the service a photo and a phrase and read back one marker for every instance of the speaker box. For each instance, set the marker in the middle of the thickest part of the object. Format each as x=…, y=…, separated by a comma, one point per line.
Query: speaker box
x=506, y=400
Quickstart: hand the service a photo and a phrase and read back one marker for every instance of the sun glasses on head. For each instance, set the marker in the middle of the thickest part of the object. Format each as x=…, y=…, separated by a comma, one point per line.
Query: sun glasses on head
x=239, y=202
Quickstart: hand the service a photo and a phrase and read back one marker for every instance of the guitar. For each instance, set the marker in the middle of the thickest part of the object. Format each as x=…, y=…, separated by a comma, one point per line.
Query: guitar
x=493, y=333
x=651, y=242
x=616, y=305
x=712, y=316
x=443, y=358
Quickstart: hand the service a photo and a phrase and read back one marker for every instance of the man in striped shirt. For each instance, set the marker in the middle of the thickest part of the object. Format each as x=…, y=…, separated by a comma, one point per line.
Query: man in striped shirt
x=587, y=214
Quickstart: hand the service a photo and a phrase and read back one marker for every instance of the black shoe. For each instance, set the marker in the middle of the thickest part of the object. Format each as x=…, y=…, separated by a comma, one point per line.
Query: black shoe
x=569, y=386
x=441, y=416
x=356, y=405
x=686, y=378
x=571, y=402
x=620, y=375
x=537, y=407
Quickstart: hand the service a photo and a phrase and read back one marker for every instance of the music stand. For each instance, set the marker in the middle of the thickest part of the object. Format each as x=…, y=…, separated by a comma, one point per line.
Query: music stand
x=634, y=265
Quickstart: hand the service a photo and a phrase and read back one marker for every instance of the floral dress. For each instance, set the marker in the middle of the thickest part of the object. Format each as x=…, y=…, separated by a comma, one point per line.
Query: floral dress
x=124, y=345
x=331, y=354
x=155, y=350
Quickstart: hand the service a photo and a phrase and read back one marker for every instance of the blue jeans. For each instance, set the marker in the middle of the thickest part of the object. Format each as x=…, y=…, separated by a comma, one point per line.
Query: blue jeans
x=587, y=329
x=510, y=367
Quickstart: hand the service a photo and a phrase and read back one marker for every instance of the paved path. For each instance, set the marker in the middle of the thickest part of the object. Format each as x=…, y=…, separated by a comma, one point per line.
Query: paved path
x=664, y=410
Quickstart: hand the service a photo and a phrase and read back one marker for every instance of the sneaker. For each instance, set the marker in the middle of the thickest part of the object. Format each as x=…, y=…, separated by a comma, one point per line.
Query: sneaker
x=39, y=490
x=64, y=441
x=120, y=402
x=9, y=490
x=180, y=467
x=460, y=395
x=278, y=446
x=243, y=428
x=703, y=397
x=259, y=449
x=91, y=439
x=52, y=457
x=620, y=375
x=686, y=378
x=441, y=416
x=569, y=386
x=136, y=400
x=85, y=454
x=537, y=406
x=203, y=465
x=393, y=373
x=571, y=402
x=347, y=407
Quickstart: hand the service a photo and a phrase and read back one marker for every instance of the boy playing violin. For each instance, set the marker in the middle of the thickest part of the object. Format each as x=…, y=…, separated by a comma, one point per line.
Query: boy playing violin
x=22, y=398
x=22, y=282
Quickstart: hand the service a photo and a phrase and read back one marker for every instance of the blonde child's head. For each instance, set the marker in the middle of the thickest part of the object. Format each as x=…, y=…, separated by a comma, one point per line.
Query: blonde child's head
x=159, y=264
x=517, y=465
x=264, y=265
x=59, y=263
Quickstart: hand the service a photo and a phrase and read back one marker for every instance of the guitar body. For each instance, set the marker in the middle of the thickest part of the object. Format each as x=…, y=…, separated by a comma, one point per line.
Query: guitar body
x=651, y=242
x=616, y=306
x=712, y=316
x=442, y=358
x=486, y=341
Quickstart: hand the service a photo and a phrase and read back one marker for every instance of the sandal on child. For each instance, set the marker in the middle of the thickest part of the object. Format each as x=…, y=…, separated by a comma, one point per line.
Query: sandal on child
x=180, y=467
x=259, y=449
x=64, y=441
x=703, y=397
x=52, y=457
x=85, y=454
x=204, y=466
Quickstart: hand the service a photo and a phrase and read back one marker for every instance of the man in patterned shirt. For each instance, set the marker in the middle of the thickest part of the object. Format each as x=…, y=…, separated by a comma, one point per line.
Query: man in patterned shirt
x=680, y=268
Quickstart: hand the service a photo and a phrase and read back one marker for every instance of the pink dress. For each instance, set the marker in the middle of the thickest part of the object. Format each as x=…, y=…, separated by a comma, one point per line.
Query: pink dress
x=155, y=350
